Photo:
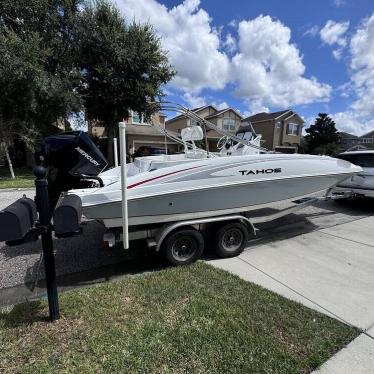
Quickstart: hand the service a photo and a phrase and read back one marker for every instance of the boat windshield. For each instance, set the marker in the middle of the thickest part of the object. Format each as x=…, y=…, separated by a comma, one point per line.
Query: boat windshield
x=365, y=160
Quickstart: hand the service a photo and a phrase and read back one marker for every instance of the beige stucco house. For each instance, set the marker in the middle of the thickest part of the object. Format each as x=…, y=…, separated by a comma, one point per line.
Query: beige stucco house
x=281, y=131
x=227, y=119
x=140, y=132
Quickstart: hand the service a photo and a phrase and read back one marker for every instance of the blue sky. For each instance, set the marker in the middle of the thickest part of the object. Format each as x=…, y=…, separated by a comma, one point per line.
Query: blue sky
x=311, y=56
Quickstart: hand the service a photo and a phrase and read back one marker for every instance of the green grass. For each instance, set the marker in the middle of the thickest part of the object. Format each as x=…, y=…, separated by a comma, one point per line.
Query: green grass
x=24, y=178
x=194, y=319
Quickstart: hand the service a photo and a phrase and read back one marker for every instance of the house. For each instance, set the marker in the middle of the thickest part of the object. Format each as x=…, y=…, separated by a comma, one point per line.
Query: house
x=367, y=139
x=281, y=131
x=227, y=119
x=348, y=141
x=139, y=131
x=352, y=142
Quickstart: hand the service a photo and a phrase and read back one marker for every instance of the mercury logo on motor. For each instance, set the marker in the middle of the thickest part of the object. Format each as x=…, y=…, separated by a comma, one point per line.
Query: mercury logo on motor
x=87, y=156
x=260, y=171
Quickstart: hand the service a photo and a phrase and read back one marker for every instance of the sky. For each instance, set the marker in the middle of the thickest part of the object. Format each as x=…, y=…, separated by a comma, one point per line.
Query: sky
x=269, y=55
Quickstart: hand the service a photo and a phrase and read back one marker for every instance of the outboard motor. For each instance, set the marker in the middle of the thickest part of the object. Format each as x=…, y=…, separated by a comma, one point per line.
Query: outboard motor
x=73, y=161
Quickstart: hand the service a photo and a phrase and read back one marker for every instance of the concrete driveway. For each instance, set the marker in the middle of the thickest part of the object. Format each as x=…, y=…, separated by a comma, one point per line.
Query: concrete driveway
x=330, y=270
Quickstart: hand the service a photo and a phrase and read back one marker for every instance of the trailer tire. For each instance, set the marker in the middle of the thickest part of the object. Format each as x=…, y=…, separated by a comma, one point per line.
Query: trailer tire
x=231, y=239
x=183, y=247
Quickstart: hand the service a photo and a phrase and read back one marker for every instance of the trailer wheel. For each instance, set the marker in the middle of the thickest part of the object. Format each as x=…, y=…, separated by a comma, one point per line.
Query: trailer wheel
x=231, y=239
x=184, y=246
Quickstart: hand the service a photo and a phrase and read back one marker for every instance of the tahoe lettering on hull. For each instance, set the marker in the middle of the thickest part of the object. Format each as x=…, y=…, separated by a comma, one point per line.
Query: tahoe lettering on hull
x=260, y=171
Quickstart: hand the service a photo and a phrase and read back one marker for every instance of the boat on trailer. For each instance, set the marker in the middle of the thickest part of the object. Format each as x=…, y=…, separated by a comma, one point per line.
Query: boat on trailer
x=213, y=187
x=172, y=199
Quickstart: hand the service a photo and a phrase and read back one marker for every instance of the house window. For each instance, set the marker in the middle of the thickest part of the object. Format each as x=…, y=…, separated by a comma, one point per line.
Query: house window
x=279, y=125
x=292, y=129
x=366, y=140
x=229, y=124
x=137, y=117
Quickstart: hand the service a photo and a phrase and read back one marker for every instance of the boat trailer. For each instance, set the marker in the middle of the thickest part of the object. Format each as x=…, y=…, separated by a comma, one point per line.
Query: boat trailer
x=183, y=242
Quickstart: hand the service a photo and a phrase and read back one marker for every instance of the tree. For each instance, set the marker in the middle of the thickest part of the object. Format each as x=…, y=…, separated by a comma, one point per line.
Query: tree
x=61, y=54
x=322, y=136
x=39, y=69
x=123, y=65
x=20, y=73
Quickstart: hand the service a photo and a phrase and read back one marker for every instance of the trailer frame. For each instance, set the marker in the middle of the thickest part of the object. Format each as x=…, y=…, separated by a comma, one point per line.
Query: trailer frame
x=155, y=235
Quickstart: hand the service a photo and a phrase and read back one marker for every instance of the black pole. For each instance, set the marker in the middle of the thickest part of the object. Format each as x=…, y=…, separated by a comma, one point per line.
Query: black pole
x=206, y=140
x=42, y=202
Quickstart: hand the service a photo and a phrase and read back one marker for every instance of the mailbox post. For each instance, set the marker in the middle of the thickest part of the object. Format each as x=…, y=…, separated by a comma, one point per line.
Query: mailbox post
x=42, y=202
x=19, y=223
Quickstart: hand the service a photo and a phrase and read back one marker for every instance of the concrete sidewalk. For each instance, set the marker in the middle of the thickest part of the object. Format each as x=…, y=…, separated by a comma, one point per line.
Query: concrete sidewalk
x=356, y=358
x=330, y=270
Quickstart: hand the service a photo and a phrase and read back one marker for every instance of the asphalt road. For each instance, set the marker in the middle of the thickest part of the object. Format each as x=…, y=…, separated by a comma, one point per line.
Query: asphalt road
x=22, y=264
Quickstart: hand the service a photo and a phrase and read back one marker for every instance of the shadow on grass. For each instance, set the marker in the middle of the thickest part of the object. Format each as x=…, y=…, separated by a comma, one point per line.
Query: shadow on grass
x=136, y=261
x=24, y=314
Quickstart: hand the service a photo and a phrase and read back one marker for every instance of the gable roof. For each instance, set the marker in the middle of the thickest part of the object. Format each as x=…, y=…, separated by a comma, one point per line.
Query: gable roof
x=275, y=115
x=195, y=110
x=223, y=111
x=347, y=135
x=368, y=135
x=263, y=116
x=200, y=108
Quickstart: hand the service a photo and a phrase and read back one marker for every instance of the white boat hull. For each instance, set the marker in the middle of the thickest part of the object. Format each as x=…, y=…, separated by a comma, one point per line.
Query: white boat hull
x=213, y=187
x=198, y=204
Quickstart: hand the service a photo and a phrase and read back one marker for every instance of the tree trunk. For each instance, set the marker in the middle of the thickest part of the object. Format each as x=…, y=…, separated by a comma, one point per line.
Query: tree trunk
x=9, y=161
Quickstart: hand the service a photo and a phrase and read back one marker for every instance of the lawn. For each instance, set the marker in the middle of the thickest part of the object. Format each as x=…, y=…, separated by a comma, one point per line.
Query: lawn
x=24, y=178
x=193, y=319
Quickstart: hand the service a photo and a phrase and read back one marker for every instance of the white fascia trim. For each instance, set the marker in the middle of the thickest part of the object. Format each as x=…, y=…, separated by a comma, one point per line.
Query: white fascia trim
x=283, y=115
x=293, y=114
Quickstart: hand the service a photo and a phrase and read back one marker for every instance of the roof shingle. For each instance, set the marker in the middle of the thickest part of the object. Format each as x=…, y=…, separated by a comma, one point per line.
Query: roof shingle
x=263, y=116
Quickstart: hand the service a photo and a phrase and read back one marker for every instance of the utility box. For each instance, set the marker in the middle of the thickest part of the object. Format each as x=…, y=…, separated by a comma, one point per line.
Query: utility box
x=67, y=216
x=31, y=208
x=17, y=219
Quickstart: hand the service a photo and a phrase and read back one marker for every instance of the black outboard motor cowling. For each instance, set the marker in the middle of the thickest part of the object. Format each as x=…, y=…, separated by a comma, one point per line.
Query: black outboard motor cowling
x=72, y=159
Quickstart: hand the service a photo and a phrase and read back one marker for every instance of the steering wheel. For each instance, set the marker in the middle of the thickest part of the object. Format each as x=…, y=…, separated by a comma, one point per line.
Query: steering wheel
x=222, y=142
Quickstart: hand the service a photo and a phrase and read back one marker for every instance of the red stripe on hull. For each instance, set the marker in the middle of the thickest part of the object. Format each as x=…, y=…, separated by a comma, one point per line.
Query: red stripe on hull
x=158, y=177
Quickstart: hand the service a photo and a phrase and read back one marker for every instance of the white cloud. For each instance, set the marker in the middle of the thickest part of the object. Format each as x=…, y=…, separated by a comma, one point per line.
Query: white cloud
x=269, y=67
x=340, y=3
x=333, y=33
x=362, y=65
x=220, y=104
x=351, y=122
x=337, y=53
x=194, y=101
x=187, y=35
x=230, y=43
x=233, y=23
x=359, y=117
x=255, y=106
x=261, y=63
x=345, y=90
x=312, y=31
